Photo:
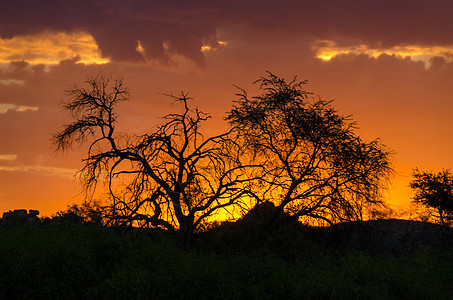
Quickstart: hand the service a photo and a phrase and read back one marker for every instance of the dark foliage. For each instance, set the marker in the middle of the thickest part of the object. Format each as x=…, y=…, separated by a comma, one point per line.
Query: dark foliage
x=316, y=165
x=78, y=261
x=283, y=147
x=88, y=213
x=172, y=178
x=435, y=192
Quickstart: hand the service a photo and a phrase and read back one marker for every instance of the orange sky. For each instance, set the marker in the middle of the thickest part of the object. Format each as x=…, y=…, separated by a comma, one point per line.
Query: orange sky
x=387, y=64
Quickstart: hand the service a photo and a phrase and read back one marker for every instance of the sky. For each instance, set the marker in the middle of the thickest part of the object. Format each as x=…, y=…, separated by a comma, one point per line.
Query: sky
x=389, y=64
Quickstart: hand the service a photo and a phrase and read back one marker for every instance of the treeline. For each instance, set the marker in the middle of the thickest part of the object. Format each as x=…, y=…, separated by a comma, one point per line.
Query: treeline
x=71, y=258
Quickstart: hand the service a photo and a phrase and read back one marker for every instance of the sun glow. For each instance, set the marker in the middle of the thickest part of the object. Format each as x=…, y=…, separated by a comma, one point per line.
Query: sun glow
x=51, y=48
x=211, y=48
x=140, y=49
x=327, y=50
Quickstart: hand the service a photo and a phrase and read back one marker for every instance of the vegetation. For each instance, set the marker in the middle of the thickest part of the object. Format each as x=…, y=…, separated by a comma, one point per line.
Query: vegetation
x=434, y=191
x=281, y=147
x=315, y=164
x=171, y=178
x=72, y=260
x=294, y=155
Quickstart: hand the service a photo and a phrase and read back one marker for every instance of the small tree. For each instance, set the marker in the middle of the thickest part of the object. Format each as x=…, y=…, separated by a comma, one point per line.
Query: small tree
x=316, y=166
x=435, y=192
x=172, y=178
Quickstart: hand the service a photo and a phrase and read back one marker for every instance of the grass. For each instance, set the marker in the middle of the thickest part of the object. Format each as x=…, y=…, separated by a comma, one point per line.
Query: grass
x=77, y=261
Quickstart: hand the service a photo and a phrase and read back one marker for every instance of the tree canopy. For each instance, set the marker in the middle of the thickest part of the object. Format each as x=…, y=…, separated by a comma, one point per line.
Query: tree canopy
x=315, y=163
x=435, y=192
x=172, y=177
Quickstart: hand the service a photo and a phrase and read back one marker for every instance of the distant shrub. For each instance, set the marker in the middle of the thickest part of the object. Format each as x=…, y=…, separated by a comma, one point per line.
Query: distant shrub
x=85, y=213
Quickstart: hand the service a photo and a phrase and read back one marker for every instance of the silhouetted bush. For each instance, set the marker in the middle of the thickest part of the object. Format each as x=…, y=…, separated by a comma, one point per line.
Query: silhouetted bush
x=434, y=191
x=88, y=213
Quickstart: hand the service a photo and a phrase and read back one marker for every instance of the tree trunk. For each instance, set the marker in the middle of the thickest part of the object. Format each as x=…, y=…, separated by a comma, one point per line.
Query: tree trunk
x=186, y=232
x=276, y=218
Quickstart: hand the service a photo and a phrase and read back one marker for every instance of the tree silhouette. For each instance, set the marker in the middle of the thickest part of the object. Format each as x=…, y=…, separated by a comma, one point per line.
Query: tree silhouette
x=316, y=166
x=435, y=192
x=172, y=178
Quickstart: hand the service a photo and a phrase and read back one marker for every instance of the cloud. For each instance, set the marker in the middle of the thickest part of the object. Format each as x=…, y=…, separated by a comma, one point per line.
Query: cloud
x=12, y=81
x=5, y=107
x=211, y=47
x=164, y=29
x=42, y=170
x=8, y=157
x=10, y=163
x=326, y=50
x=50, y=48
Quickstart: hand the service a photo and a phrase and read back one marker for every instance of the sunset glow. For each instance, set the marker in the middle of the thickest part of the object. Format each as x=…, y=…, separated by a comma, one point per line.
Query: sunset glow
x=210, y=48
x=140, y=49
x=50, y=48
x=226, y=149
x=327, y=50
x=388, y=65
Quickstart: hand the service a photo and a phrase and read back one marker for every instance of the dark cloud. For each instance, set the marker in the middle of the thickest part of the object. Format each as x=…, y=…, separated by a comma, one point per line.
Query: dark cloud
x=183, y=26
x=437, y=62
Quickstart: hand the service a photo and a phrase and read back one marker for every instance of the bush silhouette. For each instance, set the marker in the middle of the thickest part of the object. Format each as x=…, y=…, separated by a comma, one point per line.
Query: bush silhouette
x=435, y=192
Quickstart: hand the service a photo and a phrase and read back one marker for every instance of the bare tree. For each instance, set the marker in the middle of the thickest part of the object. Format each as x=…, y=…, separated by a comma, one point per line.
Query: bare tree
x=316, y=166
x=172, y=178
x=434, y=191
